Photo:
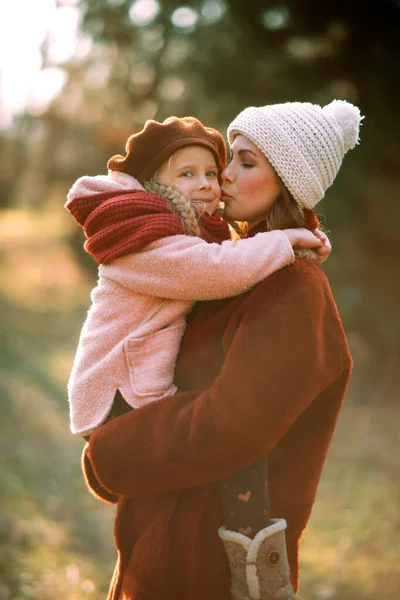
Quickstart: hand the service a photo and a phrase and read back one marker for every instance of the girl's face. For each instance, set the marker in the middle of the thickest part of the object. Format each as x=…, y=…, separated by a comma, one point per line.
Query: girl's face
x=249, y=184
x=194, y=170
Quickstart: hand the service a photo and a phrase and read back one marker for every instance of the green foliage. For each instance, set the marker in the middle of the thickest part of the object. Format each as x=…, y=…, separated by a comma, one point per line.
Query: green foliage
x=49, y=524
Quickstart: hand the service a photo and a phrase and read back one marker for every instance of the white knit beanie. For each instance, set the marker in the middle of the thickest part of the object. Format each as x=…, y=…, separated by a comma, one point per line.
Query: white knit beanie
x=303, y=142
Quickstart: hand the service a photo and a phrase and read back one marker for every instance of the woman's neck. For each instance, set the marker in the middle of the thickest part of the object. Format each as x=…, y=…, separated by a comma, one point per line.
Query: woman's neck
x=251, y=224
x=256, y=224
x=255, y=227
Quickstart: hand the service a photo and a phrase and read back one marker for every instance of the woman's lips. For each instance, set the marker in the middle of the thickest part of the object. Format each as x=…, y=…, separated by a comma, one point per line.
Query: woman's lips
x=225, y=197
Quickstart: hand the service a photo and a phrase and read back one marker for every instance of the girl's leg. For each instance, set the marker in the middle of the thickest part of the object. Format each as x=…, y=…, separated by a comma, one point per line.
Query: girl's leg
x=245, y=499
x=260, y=568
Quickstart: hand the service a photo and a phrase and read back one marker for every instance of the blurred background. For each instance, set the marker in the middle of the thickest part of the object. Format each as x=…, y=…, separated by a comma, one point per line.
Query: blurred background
x=77, y=77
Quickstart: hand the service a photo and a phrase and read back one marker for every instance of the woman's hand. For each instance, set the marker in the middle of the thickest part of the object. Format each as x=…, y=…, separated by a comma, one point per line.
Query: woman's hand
x=304, y=238
x=325, y=249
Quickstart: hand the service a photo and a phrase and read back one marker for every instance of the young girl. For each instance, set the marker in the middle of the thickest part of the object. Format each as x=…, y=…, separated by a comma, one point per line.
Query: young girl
x=157, y=257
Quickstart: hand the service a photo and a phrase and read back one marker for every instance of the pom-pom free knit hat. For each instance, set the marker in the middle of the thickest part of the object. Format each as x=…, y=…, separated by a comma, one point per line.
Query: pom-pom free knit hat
x=150, y=147
x=305, y=143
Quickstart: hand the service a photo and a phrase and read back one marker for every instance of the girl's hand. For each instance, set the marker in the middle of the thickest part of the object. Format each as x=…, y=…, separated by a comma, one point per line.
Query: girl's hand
x=326, y=248
x=304, y=238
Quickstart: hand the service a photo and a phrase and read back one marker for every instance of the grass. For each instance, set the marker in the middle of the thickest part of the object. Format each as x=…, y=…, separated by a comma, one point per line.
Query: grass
x=350, y=550
x=56, y=540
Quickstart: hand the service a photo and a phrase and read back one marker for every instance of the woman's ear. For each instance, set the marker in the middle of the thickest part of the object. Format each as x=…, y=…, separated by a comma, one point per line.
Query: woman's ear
x=311, y=219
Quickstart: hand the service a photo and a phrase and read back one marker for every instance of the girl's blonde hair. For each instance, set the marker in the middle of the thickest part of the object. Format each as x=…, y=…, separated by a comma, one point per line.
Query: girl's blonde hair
x=179, y=204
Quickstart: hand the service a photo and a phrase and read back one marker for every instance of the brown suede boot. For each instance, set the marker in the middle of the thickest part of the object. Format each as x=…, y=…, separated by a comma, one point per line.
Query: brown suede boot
x=259, y=566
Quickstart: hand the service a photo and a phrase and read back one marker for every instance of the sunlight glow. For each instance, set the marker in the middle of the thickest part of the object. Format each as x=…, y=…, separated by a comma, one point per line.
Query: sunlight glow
x=30, y=31
x=171, y=88
x=275, y=18
x=63, y=34
x=143, y=12
x=213, y=10
x=47, y=84
x=184, y=17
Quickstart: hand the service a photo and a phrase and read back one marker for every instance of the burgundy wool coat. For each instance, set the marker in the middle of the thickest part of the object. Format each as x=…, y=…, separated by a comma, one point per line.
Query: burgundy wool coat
x=262, y=373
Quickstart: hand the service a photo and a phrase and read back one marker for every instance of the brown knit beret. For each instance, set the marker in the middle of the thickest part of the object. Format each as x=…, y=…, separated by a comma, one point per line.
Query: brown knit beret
x=150, y=147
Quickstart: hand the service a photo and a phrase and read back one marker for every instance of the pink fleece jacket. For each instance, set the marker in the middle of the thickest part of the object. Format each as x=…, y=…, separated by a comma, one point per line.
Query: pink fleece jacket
x=130, y=339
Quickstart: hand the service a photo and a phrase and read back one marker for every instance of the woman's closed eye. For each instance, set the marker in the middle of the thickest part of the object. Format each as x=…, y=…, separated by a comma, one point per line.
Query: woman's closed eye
x=241, y=161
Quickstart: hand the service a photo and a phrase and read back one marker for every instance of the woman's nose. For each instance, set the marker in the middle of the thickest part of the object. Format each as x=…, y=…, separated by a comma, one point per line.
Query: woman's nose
x=227, y=174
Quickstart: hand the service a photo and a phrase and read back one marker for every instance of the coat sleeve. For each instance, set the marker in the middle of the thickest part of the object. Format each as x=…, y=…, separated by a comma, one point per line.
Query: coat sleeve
x=182, y=267
x=92, y=482
x=285, y=351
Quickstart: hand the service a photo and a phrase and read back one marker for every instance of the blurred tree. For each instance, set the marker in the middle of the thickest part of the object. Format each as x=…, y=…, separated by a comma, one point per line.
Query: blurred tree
x=153, y=58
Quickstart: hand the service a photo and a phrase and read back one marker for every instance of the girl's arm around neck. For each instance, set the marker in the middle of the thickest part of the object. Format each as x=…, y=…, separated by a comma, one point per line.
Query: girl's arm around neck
x=188, y=268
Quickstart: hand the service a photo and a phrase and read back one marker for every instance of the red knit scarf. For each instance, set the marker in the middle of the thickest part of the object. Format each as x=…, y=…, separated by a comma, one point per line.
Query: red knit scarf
x=117, y=224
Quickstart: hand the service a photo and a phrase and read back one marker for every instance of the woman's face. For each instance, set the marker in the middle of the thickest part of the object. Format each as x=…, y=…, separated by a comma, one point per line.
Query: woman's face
x=194, y=171
x=249, y=183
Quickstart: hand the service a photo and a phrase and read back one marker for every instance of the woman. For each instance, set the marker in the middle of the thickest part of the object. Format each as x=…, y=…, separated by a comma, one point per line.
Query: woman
x=260, y=374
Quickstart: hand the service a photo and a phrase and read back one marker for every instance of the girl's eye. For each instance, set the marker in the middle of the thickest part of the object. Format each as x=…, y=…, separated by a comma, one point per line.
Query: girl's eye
x=212, y=174
x=186, y=174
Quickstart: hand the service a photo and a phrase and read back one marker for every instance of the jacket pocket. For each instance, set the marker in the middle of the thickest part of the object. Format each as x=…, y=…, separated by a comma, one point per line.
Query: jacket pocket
x=151, y=361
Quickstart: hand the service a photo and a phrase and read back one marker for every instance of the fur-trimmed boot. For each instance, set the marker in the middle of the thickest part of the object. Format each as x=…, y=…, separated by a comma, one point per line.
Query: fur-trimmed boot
x=259, y=566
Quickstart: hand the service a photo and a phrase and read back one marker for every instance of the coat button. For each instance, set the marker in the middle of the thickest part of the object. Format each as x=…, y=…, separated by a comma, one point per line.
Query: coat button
x=273, y=558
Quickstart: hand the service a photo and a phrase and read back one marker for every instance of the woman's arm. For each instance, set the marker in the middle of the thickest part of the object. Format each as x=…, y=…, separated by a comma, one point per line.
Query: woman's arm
x=93, y=483
x=288, y=347
x=188, y=268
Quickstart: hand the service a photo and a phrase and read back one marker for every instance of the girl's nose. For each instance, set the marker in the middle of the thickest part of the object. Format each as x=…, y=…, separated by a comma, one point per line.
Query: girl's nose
x=204, y=183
